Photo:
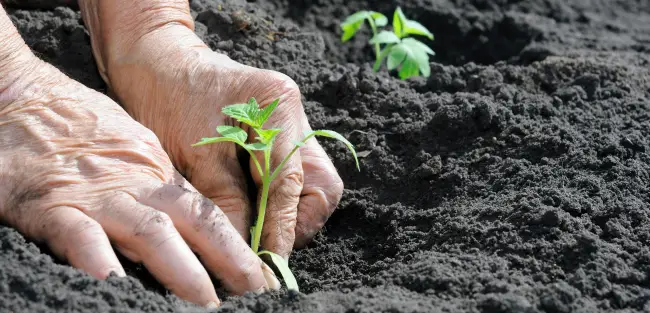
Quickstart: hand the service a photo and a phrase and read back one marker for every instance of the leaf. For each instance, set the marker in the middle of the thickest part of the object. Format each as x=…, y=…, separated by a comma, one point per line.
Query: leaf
x=398, y=22
x=257, y=146
x=380, y=19
x=385, y=37
x=395, y=58
x=415, y=28
x=267, y=111
x=418, y=45
x=409, y=68
x=416, y=60
x=349, y=31
x=337, y=136
x=233, y=132
x=267, y=135
x=246, y=113
x=353, y=23
x=284, y=269
x=356, y=17
x=205, y=141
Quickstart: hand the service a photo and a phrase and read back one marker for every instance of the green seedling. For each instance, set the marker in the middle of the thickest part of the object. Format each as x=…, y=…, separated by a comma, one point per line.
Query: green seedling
x=354, y=22
x=400, y=50
x=254, y=117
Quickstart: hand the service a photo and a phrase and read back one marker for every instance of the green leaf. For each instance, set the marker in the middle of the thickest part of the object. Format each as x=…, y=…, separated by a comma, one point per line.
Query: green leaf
x=267, y=135
x=233, y=132
x=409, y=68
x=265, y=114
x=205, y=141
x=385, y=37
x=257, y=146
x=246, y=113
x=349, y=31
x=395, y=57
x=337, y=136
x=398, y=22
x=356, y=17
x=284, y=269
x=380, y=19
x=415, y=28
x=418, y=45
x=416, y=60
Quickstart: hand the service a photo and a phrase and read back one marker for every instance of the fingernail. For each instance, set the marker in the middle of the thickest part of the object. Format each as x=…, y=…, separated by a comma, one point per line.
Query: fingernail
x=212, y=305
x=272, y=281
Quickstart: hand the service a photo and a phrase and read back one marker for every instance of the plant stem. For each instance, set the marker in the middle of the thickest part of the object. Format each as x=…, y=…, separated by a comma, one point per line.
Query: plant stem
x=261, y=212
x=385, y=52
x=374, y=33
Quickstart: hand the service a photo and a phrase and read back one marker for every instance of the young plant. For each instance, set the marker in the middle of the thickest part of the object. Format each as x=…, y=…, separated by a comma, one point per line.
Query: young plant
x=354, y=22
x=252, y=115
x=400, y=50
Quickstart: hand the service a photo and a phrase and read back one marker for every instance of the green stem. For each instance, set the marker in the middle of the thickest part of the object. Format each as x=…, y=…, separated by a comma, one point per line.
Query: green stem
x=374, y=33
x=276, y=172
x=261, y=212
x=384, y=53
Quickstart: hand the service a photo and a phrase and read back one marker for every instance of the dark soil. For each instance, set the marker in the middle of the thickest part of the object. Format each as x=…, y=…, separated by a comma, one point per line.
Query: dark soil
x=514, y=179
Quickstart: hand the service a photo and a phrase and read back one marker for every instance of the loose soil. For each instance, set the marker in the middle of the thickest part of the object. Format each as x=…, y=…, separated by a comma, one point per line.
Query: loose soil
x=514, y=179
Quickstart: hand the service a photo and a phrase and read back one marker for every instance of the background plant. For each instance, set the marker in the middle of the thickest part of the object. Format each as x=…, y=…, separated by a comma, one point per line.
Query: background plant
x=400, y=50
x=254, y=117
x=355, y=21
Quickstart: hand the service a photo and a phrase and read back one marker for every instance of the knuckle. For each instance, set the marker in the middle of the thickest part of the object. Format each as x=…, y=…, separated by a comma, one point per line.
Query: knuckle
x=204, y=215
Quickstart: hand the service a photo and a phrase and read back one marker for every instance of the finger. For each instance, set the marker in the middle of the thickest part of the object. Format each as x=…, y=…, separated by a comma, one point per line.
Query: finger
x=219, y=176
x=149, y=236
x=206, y=228
x=80, y=240
x=278, y=232
x=321, y=192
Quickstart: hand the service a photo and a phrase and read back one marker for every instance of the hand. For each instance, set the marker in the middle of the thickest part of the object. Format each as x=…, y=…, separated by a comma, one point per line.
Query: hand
x=78, y=173
x=176, y=86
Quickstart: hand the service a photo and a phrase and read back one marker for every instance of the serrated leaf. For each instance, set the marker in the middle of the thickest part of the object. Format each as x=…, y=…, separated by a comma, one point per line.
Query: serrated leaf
x=337, y=136
x=398, y=22
x=380, y=19
x=205, y=141
x=415, y=28
x=265, y=114
x=395, y=57
x=416, y=60
x=267, y=135
x=233, y=132
x=284, y=269
x=384, y=37
x=246, y=113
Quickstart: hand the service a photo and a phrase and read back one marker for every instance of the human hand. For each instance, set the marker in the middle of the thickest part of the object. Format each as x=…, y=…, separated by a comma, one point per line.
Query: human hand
x=78, y=173
x=172, y=83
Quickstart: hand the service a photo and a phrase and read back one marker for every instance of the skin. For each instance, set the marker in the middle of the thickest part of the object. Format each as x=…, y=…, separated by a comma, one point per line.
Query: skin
x=79, y=173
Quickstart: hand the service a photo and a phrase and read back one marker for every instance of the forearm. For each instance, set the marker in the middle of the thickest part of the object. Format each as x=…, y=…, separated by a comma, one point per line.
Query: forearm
x=116, y=26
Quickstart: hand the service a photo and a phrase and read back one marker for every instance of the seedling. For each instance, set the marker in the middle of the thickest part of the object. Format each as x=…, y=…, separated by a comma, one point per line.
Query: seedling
x=354, y=22
x=400, y=50
x=252, y=115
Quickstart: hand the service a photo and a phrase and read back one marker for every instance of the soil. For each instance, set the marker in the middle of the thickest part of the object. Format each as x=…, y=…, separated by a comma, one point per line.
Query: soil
x=514, y=179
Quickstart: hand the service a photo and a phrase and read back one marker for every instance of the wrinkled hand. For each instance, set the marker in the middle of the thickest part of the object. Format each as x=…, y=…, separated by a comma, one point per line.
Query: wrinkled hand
x=78, y=173
x=177, y=89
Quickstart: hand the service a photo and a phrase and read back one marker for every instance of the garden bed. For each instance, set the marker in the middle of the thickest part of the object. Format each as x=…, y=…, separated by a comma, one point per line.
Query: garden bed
x=514, y=179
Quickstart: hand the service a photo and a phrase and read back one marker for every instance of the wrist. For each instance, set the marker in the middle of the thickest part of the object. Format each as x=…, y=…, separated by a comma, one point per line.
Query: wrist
x=17, y=62
x=118, y=27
